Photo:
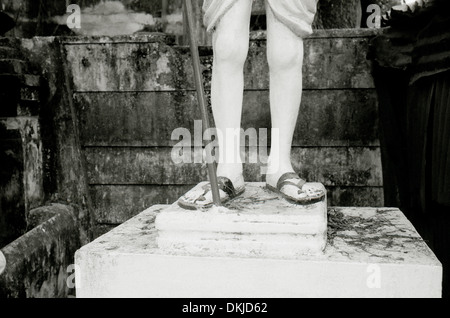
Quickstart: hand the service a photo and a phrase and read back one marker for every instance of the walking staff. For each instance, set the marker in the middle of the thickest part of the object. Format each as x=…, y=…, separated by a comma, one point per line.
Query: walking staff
x=201, y=96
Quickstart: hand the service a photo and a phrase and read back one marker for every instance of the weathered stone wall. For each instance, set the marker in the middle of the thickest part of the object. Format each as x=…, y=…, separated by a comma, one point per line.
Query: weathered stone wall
x=37, y=263
x=130, y=93
x=64, y=173
x=338, y=14
x=12, y=209
x=40, y=162
x=21, y=157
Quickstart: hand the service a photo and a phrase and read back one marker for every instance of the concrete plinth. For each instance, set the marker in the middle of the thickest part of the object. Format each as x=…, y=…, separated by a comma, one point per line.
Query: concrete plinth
x=258, y=223
x=370, y=252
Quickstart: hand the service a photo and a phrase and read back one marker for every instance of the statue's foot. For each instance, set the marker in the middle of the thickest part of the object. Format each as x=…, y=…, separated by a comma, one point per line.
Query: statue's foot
x=293, y=188
x=201, y=197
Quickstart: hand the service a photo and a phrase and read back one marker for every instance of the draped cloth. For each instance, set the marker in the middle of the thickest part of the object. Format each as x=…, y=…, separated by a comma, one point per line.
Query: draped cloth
x=297, y=15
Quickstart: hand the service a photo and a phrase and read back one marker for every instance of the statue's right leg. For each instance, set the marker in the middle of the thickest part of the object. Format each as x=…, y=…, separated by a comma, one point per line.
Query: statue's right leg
x=230, y=45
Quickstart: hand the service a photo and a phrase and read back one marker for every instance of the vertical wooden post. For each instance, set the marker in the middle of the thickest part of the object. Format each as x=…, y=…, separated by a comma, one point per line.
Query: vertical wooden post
x=189, y=14
x=203, y=39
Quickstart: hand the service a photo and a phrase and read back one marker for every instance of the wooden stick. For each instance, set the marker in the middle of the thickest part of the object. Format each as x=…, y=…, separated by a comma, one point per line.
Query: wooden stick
x=201, y=96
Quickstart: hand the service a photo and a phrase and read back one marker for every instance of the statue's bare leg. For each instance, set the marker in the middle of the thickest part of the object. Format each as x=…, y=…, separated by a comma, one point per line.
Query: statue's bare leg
x=230, y=45
x=285, y=58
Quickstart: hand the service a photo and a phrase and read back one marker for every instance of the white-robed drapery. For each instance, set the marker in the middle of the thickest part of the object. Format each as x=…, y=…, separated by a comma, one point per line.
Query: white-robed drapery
x=297, y=15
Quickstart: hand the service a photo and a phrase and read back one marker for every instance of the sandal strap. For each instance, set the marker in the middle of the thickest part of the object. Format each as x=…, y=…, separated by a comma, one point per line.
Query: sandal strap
x=224, y=184
x=285, y=180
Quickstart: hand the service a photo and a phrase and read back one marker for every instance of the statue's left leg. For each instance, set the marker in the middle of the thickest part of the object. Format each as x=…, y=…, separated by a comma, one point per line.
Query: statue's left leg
x=285, y=58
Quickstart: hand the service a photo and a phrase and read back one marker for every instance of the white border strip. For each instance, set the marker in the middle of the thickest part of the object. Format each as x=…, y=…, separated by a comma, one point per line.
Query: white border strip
x=2, y=262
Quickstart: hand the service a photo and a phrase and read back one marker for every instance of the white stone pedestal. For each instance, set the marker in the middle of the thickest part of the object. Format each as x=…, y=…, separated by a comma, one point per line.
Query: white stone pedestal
x=370, y=252
x=258, y=223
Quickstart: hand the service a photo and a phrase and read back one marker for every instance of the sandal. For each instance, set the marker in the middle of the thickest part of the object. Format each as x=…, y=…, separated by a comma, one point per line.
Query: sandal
x=195, y=198
x=307, y=196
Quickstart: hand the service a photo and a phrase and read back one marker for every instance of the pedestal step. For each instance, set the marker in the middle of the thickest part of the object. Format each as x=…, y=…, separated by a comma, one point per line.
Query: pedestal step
x=258, y=222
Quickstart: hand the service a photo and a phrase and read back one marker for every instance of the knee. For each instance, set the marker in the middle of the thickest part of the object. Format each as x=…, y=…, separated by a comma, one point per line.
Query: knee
x=231, y=48
x=285, y=55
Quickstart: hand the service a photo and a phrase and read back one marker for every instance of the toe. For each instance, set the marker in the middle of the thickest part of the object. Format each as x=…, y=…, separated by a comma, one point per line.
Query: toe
x=294, y=192
x=314, y=190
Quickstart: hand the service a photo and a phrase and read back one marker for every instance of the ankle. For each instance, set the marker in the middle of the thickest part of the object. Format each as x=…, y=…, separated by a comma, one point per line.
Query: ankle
x=234, y=172
x=274, y=172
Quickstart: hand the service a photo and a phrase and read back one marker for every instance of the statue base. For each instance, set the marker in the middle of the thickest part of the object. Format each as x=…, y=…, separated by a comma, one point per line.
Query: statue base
x=258, y=223
x=370, y=252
